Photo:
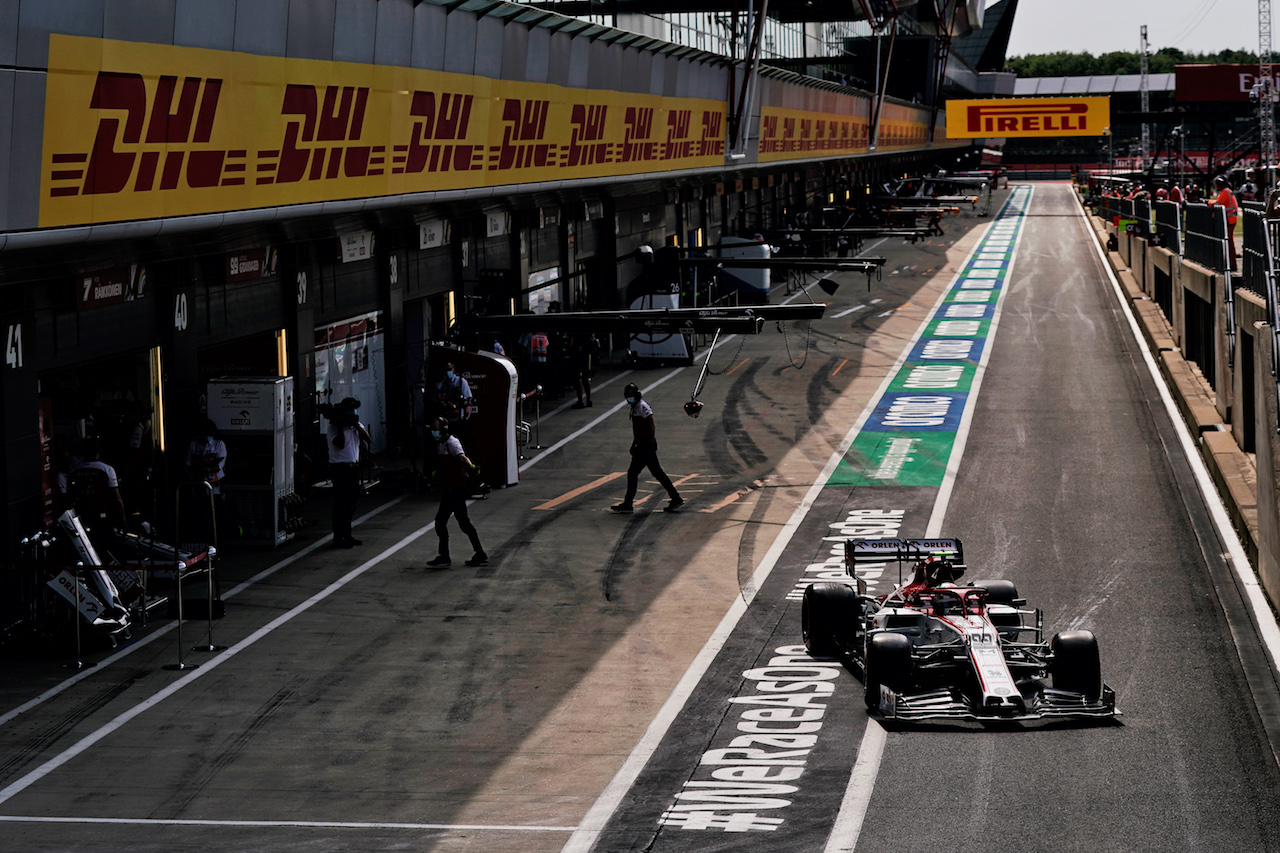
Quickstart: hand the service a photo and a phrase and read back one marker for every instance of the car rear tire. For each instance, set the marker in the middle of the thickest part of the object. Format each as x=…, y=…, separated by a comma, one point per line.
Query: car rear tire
x=827, y=612
x=1077, y=666
x=998, y=592
x=889, y=663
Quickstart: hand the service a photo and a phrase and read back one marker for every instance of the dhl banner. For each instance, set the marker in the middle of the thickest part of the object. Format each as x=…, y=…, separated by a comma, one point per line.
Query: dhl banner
x=139, y=131
x=793, y=134
x=1014, y=117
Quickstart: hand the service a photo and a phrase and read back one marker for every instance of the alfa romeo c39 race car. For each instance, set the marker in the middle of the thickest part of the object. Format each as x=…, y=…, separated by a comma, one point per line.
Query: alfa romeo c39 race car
x=935, y=649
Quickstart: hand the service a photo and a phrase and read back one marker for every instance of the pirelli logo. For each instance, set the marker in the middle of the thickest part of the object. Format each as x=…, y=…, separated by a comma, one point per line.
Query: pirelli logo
x=1017, y=117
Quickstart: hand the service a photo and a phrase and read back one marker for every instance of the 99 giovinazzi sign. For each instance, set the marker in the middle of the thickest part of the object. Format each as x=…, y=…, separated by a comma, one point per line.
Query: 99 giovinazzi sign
x=139, y=131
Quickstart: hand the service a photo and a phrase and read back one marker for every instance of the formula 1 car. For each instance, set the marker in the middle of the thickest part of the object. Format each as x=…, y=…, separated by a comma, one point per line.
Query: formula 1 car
x=935, y=649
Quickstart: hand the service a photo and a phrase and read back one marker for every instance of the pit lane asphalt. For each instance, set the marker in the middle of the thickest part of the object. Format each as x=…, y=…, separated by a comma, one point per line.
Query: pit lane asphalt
x=424, y=710
x=1075, y=486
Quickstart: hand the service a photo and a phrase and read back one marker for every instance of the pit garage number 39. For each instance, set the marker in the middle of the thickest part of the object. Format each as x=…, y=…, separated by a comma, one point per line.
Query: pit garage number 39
x=933, y=648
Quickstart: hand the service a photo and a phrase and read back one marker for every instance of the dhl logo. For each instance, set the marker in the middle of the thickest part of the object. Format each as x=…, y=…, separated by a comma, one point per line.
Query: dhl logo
x=523, y=136
x=637, y=142
x=134, y=131
x=792, y=133
x=586, y=145
x=679, y=144
x=309, y=139
x=1020, y=117
x=134, y=119
x=437, y=143
x=712, y=133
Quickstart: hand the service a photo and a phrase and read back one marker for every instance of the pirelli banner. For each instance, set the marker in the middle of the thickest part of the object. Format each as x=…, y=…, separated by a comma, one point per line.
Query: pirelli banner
x=1015, y=117
x=787, y=134
x=139, y=131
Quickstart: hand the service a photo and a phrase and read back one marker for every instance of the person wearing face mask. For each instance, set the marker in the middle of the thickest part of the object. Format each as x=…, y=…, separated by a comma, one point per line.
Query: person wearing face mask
x=644, y=453
x=453, y=399
x=207, y=457
x=452, y=466
x=345, y=436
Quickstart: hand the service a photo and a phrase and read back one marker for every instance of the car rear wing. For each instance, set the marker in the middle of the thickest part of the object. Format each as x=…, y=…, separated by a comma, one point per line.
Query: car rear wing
x=859, y=552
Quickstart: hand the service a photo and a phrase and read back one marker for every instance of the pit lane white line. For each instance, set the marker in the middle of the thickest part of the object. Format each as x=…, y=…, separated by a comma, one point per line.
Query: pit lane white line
x=206, y=667
x=88, y=741
x=1264, y=617
x=134, y=646
x=858, y=794
x=289, y=824
x=607, y=803
x=165, y=629
x=142, y=821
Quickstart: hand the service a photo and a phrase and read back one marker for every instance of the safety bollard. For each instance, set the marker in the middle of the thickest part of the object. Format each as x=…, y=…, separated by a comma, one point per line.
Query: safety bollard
x=537, y=418
x=75, y=617
x=177, y=577
x=208, y=646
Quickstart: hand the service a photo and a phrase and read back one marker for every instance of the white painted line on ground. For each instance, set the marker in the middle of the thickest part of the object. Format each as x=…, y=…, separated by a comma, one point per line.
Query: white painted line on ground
x=966, y=420
x=592, y=424
x=846, y=312
x=607, y=803
x=567, y=404
x=213, y=663
x=857, y=797
x=318, y=824
x=1264, y=617
x=206, y=667
x=267, y=572
x=165, y=629
x=310, y=549
x=847, y=826
x=598, y=816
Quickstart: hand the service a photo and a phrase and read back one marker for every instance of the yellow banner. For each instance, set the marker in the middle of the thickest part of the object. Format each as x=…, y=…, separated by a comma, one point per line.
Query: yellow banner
x=139, y=131
x=794, y=134
x=1014, y=117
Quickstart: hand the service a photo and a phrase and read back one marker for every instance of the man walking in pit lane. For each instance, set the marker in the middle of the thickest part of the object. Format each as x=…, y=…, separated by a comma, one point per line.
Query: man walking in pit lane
x=644, y=453
x=452, y=466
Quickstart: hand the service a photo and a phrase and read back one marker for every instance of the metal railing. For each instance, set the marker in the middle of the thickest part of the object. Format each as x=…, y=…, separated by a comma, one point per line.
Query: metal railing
x=1259, y=267
x=1204, y=239
x=1169, y=225
x=1199, y=233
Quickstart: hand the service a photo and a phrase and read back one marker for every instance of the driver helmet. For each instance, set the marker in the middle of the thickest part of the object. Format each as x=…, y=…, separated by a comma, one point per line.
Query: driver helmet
x=940, y=571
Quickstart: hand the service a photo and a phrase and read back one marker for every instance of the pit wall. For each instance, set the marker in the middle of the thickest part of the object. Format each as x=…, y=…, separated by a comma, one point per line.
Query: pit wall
x=1214, y=411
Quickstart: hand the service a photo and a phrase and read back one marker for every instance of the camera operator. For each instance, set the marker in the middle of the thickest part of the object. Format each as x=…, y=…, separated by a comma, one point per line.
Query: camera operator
x=345, y=436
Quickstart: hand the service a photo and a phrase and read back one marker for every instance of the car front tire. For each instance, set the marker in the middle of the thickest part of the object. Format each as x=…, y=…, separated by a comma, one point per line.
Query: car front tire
x=888, y=663
x=1077, y=667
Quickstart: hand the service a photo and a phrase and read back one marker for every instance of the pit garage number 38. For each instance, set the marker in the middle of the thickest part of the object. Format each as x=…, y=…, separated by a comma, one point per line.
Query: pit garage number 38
x=935, y=649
